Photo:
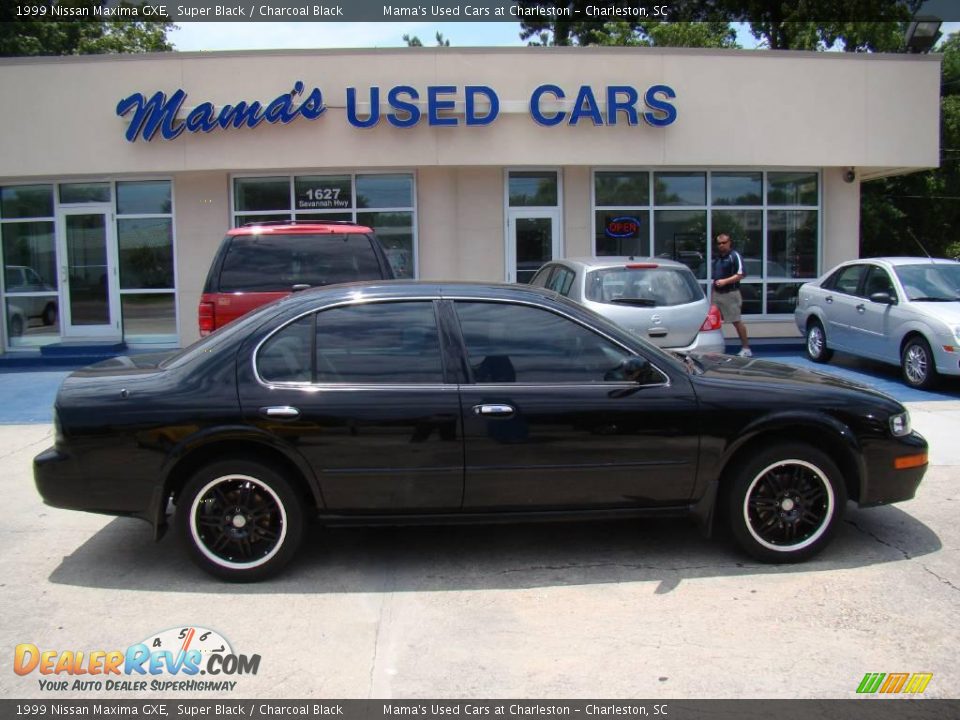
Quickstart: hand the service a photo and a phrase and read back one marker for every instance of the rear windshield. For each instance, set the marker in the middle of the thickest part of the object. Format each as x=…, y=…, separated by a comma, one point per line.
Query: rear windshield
x=275, y=263
x=654, y=287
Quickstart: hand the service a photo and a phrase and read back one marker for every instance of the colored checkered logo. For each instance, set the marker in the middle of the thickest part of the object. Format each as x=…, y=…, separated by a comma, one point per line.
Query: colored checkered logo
x=890, y=683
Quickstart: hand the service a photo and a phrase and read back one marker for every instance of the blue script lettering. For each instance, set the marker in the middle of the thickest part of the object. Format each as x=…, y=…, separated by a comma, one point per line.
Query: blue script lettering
x=159, y=113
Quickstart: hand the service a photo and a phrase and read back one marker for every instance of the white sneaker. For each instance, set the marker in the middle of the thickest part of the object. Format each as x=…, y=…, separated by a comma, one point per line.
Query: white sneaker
x=745, y=353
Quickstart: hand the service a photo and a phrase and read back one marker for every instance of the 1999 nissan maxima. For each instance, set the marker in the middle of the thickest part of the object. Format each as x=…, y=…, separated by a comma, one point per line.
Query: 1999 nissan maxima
x=409, y=402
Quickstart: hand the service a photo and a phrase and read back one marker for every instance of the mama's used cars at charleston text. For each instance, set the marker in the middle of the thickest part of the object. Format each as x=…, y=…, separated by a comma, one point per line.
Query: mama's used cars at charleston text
x=403, y=402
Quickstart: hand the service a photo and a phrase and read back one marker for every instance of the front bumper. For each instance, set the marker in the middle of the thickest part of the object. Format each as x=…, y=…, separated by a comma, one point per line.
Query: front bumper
x=884, y=482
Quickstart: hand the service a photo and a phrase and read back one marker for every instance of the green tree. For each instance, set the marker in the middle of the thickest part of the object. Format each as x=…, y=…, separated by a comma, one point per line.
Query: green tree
x=414, y=41
x=898, y=213
x=87, y=37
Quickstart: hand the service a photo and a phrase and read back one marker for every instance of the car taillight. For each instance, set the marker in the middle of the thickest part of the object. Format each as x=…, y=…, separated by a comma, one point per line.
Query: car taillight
x=641, y=266
x=714, y=320
x=207, y=318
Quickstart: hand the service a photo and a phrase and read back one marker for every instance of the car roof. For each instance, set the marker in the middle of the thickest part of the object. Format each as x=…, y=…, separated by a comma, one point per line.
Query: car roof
x=287, y=227
x=897, y=261
x=600, y=263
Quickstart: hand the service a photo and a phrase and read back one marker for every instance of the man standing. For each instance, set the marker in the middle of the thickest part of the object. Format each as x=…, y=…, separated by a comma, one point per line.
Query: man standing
x=727, y=273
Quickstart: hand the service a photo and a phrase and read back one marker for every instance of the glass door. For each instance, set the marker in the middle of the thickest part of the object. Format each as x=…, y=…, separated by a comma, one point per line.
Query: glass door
x=89, y=304
x=533, y=238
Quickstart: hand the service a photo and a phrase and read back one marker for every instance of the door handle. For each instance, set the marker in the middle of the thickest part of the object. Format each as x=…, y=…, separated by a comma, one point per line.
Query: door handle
x=829, y=298
x=657, y=332
x=493, y=410
x=860, y=308
x=280, y=412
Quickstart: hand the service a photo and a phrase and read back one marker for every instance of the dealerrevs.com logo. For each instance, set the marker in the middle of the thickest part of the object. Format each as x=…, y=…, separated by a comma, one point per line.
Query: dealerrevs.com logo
x=188, y=659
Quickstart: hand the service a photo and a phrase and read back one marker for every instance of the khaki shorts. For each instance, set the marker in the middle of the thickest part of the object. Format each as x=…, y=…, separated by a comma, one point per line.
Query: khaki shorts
x=729, y=304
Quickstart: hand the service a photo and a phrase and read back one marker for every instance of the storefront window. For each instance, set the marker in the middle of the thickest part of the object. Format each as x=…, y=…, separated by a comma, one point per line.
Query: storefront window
x=26, y=201
x=146, y=258
x=680, y=188
x=146, y=252
x=384, y=191
x=773, y=218
x=148, y=315
x=533, y=189
x=77, y=193
x=792, y=242
x=261, y=194
x=792, y=188
x=736, y=188
x=384, y=202
x=622, y=232
x=622, y=189
x=150, y=197
x=681, y=235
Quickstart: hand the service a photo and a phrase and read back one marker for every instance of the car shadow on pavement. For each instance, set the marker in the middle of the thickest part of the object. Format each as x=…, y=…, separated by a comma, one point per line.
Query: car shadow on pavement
x=496, y=557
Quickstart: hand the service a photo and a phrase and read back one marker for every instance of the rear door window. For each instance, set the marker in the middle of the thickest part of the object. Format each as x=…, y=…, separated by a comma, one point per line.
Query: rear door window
x=275, y=263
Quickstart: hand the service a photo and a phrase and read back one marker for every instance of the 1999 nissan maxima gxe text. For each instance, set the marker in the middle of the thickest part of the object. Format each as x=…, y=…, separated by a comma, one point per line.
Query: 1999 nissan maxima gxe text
x=405, y=402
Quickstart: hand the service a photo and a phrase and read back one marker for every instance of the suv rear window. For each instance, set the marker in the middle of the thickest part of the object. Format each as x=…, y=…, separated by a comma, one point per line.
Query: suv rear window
x=660, y=286
x=277, y=262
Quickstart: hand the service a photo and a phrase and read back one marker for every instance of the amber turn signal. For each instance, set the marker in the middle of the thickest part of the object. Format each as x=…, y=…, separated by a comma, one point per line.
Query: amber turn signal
x=910, y=461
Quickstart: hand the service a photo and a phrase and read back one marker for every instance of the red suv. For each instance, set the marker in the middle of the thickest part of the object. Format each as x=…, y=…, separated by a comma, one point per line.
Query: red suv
x=263, y=262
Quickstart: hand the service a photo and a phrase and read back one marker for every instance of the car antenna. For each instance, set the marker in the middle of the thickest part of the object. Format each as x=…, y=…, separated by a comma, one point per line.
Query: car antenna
x=910, y=233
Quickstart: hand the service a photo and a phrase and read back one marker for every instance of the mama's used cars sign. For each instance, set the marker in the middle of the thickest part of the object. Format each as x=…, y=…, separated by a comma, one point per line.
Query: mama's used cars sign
x=402, y=106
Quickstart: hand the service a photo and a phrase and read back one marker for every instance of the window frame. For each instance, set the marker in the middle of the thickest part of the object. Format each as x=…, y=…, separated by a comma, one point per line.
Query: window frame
x=317, y=216
x=647, y=239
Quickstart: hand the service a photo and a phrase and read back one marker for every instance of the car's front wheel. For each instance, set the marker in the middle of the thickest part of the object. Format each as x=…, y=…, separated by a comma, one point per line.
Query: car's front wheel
x=240, y=519
x=917, y=364
x=817, y=349
x=784, y=503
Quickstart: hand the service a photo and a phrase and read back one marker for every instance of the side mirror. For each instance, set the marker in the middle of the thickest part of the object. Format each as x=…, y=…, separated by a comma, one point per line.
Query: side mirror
x=637, y=369
x=883, y=298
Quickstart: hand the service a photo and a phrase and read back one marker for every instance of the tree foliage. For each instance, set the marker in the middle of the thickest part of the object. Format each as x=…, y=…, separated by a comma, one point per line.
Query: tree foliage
x=853, y=25
x=898, y=212
x=80, y=37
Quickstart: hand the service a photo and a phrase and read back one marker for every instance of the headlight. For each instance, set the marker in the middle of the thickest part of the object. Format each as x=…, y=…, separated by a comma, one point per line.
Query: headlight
x=900, y=424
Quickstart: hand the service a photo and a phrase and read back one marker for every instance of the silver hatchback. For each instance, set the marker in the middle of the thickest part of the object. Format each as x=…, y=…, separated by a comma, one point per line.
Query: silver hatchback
x=658, y=300
x=904, y=311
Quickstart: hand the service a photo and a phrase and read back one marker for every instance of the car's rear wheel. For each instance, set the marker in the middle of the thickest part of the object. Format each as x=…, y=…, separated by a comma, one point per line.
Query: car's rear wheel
x=817, y=349
x=50, y=314
x=917, y=364
x=785, y=502
x=240, y=519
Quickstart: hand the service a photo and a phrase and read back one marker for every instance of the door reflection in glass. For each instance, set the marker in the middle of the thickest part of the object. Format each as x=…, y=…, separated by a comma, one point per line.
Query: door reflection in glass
x=87, y=268
x=534, y=246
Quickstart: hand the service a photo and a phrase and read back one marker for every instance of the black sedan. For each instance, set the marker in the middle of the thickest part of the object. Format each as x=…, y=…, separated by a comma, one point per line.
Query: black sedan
x=407, y=402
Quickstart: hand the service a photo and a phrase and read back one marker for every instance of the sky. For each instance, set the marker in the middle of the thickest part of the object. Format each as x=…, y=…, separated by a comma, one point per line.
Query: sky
x=291, y=35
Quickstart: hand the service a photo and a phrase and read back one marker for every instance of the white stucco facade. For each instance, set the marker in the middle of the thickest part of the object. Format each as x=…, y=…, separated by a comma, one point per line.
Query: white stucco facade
x=775, y=119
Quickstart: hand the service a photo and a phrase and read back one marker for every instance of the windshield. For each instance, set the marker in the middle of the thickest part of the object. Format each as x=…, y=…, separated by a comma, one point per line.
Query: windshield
x=930, y=282
x=643, y=286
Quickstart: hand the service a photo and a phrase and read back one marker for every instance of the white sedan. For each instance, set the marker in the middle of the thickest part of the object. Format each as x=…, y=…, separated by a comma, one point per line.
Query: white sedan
x=904, y=311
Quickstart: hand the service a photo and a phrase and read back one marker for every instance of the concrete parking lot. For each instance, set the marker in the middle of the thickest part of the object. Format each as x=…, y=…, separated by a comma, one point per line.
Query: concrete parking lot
x=629, y=610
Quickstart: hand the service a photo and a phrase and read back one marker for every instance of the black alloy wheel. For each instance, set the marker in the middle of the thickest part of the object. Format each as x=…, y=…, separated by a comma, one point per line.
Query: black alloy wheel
x=785, y=502
x=241, y=520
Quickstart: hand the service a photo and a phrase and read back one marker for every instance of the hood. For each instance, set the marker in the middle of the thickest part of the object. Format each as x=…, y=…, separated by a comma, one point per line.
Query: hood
x=767, y=373
x=946, y=312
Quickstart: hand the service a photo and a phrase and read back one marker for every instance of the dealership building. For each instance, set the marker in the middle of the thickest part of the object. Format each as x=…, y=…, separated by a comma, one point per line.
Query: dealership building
x=119, y=175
